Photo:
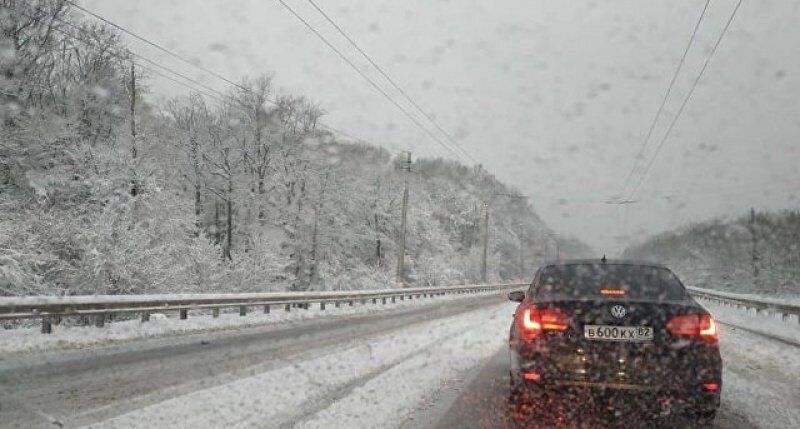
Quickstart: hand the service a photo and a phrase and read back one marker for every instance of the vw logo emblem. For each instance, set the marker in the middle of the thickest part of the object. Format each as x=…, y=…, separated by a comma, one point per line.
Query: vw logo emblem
x=618, y=311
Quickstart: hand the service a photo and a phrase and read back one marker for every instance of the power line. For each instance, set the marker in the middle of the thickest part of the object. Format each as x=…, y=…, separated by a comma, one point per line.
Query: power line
x=367, y=78
x=390, y=80
x=221, y=77
x=640, y=153
x=209, y=92
x=685, y=100
x=155, y=45
x=219, y=95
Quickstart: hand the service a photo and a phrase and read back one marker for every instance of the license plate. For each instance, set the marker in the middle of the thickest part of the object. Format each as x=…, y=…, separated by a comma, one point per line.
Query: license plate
x=618, y=333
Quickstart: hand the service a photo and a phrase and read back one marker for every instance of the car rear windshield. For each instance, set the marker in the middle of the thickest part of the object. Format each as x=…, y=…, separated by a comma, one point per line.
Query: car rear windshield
x=608, y=281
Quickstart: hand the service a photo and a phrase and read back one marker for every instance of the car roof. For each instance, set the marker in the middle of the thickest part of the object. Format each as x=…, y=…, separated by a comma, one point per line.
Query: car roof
x=563, y=262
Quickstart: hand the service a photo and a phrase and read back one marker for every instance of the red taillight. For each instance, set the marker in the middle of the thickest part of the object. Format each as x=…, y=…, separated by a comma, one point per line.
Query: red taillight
x=531, y=376
x=536, y=320
x=711, y=387
x=694, y=325
x=530, y=321
x=708, y=328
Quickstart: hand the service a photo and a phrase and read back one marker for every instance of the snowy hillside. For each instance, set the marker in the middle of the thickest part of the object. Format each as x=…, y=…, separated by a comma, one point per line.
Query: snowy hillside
x=757, y=253
x=104, y=192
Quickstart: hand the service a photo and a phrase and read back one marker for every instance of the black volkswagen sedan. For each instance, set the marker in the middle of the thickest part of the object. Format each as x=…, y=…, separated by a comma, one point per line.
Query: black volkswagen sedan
x=612, y=328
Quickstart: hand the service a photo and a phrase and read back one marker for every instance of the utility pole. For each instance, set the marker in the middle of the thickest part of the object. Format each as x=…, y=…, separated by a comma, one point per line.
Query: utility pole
x=547, y=237
x=755, y=243
x=623, y=222
x=485, y=252
x=546, y=250
x=521, y=251
x=401, y=258
x=134, y=185
x=485, y=241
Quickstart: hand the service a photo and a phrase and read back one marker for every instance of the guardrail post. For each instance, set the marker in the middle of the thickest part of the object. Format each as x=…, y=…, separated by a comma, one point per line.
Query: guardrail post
x=384, y=300
x=47, y=328
x=351, y=303
x=215, y=313
x=145, y=316
x=184, y=314
x=266, y=308
x=403, y=297
x=393, y=299
x=242, y=310
x=336, y=304
x=288, y=307
x=322, y=305
x=374, y=300
x=100, y=320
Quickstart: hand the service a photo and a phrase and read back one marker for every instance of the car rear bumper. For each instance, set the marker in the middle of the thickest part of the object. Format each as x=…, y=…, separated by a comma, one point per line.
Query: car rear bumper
x=657, y=396
x=681, y=385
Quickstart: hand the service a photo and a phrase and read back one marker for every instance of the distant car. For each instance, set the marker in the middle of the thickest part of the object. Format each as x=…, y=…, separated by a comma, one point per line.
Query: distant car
x=615, y=327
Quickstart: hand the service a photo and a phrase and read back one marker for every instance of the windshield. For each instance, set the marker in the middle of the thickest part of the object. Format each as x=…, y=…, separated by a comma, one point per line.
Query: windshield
x=330, y=214
x=607, y=281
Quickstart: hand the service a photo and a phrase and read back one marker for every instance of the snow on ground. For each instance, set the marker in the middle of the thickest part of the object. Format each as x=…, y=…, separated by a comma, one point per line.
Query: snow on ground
x=372, y=383
x=758, y=367
x=761, y=378
x=769, y=323
x=71, y=337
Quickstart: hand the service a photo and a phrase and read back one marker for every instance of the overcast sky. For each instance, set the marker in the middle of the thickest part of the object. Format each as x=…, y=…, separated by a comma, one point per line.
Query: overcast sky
x=553, y=97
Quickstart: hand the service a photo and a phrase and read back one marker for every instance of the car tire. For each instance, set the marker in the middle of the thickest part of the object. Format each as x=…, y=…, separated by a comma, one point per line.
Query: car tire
x=514, y=389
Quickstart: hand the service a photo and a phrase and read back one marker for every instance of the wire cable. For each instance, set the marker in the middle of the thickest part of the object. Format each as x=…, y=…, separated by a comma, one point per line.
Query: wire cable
x=367, y=78
x=685, y=101
x=206, y=91
x=640, y=153
x=390, y=80
x=221, y=77
x=155, y=45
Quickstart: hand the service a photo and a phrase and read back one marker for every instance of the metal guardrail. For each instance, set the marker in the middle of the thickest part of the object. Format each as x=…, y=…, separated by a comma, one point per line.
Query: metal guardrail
x=50, y=309
x=741, y=301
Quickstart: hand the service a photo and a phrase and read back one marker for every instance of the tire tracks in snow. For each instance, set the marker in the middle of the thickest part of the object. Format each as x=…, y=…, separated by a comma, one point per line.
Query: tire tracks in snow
x=275, y=395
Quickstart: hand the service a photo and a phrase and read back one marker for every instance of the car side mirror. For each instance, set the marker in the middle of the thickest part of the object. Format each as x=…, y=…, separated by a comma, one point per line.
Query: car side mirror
x=516, y=296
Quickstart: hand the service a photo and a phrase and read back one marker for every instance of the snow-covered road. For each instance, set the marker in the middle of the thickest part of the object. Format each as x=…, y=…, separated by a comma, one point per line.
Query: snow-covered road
x=437, y=364
x=259, y=376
